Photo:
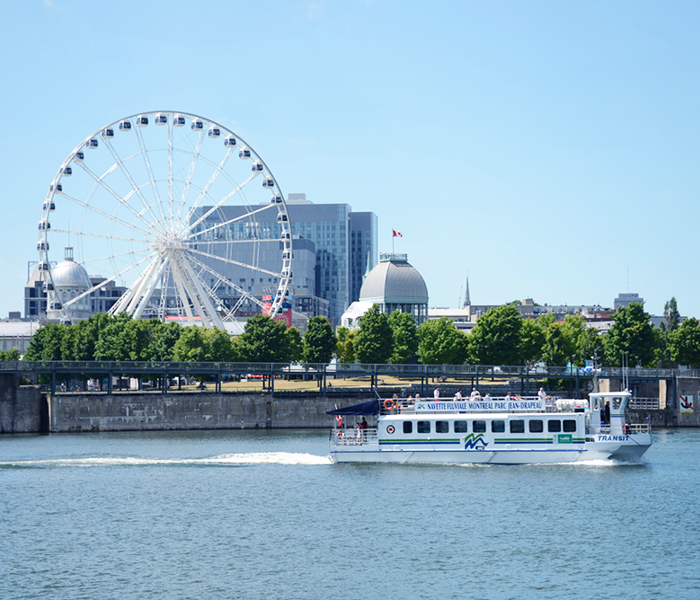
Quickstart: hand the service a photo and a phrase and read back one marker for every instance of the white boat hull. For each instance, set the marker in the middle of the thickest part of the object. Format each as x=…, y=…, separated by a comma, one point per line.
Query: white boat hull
x=629, y=449
x=499, y=432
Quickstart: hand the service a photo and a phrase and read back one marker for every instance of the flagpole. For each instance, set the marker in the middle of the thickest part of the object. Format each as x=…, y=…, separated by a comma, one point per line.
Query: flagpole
x=392, y=242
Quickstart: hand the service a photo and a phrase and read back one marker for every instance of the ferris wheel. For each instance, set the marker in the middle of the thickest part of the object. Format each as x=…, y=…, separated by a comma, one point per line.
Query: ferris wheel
x=172, y=214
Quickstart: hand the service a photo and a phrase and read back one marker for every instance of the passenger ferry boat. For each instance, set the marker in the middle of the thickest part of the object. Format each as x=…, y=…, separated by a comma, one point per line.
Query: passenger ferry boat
x=492, y=430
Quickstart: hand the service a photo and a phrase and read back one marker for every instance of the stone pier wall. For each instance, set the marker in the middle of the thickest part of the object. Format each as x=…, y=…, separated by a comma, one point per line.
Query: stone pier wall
x=23, y=409
x=157, y=412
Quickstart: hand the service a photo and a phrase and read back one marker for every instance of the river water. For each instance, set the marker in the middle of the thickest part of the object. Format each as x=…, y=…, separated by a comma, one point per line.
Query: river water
x=264, y=514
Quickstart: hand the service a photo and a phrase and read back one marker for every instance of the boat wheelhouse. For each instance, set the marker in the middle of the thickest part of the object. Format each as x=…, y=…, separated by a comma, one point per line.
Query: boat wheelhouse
x=510, y=430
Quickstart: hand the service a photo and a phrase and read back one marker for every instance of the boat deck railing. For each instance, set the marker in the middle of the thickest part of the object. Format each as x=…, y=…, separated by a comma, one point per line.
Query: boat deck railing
x=353, y=436
x=395, y=406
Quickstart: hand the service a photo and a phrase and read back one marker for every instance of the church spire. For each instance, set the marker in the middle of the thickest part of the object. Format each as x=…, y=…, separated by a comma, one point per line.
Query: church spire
x=467, y=300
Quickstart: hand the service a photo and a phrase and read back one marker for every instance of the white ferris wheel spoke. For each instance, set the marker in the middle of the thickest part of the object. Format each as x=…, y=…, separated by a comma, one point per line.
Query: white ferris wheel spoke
x=217, y=205
x=194, y=292
x=170, y=169
x=111, y=256
x=242, y=217
x=224, y=280
x=149, y=170
x=190, y=174
x=102, y=213
x=131, y=181
x=113, y=193
x=107, y=281
x=163, y=292
x=207, y=187
x=230, y=261
x=145, y=289
x=99, y=235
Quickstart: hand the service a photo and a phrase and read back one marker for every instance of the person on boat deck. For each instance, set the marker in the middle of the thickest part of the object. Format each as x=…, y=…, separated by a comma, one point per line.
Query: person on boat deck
x=487, y=397
x=508, y=396
x=411, y=401
x=475, y=394
x=363, y=425
x=417, y=397
x=436, y=393
x=458, y=395
x=358, y=432
x=542, y=394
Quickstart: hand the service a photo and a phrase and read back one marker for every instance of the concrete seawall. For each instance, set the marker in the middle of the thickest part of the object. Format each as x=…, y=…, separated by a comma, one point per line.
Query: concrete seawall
x=26, y=410
x=23, y=409
x=158, y=412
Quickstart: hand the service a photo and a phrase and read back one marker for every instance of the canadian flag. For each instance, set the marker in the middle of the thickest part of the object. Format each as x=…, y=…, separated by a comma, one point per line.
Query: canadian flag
x=397, y=233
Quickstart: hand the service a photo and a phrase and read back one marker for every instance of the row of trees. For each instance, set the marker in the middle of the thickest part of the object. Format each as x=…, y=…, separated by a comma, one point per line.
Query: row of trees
x=501, y=337
x=121, y=338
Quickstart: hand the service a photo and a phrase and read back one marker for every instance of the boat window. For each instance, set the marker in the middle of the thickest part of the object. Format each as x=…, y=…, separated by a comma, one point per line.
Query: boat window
x=479, y=426
x=554, y=426
x=536, y=426
x=517, y=426
x=569, y=425
x=423, y=427
x=461, y=426
x=498, y=426
x=408, y=426
x=442, y=427
x=616, y=402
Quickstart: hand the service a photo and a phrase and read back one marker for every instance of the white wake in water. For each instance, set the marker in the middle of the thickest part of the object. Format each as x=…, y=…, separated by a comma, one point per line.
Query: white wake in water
x=252, y=458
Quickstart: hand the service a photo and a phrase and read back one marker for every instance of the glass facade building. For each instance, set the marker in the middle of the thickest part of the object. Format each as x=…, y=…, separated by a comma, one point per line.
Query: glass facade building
x=364, y=242
x=342, y=240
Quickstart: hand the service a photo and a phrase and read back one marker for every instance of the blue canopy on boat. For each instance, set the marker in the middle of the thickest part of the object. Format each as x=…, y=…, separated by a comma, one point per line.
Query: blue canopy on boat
x=366, y=408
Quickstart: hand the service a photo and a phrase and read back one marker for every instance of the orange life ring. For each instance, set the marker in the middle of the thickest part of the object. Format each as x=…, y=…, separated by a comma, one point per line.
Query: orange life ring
x=390, y=429
x=389, y=404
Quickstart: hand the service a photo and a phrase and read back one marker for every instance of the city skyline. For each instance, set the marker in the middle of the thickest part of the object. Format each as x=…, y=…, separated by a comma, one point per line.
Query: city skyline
x=548, y=151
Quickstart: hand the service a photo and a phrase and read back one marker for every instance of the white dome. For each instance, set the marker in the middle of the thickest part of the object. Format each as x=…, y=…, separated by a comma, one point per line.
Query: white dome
x=394, y=281
x=70, y=274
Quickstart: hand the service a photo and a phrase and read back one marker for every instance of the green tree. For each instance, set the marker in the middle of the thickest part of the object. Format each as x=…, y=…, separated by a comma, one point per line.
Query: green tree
x=346, y=345
x=112, y=342
x=496, y=338
x=685, y=343
x=631, y=332
x=441, y=343
x=558, y=348
x=85, y=335
x=590, y=346
x=264, y=340
x=296, y=345
x=190, y=346
x=218, y=346
x=532, y=338
x=404, y=337
x=573, y=329
x=46, y=343
x=320, y=341
x=9, y=355
x=669, y=324
x=672, y=318
x=139, y=338
x=166, y=336
x=374, y=340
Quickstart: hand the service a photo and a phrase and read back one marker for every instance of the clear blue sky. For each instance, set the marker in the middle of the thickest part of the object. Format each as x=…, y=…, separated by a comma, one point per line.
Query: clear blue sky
x=547, y=148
